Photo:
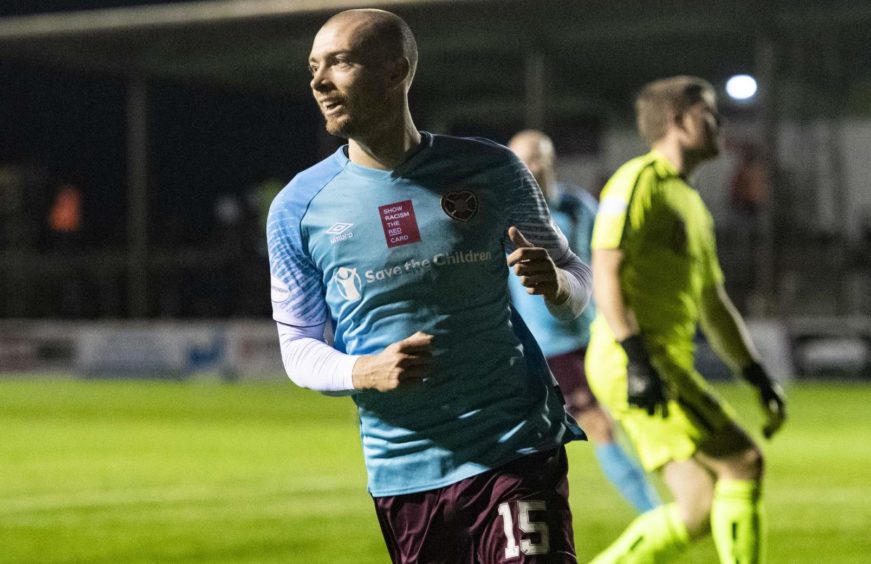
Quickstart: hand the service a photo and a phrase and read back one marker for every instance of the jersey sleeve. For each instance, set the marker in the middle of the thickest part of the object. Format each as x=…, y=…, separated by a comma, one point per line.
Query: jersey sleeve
x=623, y=207
x=297, y=290
x=528, y=211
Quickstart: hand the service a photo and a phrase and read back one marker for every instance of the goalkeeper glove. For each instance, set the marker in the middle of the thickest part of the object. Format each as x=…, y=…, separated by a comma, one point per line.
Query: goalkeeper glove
x=770, y=396
x=644, y=387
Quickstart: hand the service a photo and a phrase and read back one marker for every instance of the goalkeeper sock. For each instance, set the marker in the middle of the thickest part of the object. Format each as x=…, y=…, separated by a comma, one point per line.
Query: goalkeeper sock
x=737, y=522
x=627, y=476
x=654, y=536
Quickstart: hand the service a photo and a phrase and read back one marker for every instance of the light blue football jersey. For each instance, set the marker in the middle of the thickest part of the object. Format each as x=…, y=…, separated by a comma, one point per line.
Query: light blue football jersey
x=381, y=255
x=574, y=211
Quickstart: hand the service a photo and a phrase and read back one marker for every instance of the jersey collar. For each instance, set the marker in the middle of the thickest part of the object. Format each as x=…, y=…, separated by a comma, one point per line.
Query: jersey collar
x=662, y=165
x=341, y=155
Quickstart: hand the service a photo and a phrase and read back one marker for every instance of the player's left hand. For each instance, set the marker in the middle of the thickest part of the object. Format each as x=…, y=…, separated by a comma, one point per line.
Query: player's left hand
x=771, y=397
x=644, y=385
x=536, y=270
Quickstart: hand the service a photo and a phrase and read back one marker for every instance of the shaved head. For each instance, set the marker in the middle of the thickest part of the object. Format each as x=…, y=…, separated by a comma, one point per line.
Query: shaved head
x=531, y=140
x=362, y=64
x=381, y=33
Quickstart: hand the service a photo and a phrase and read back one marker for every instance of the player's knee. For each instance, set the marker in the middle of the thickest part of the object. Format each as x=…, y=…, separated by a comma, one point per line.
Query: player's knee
x=756, y=462
x=749, y=464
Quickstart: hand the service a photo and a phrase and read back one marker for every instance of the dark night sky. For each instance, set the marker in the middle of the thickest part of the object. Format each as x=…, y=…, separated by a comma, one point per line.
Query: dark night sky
x=203, y=143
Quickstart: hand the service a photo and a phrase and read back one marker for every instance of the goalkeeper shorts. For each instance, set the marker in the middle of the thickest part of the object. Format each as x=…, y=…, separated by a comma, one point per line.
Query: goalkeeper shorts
x=696, y=413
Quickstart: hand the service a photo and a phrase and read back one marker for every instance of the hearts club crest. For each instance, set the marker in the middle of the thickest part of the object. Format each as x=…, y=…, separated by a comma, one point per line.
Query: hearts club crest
x=461, y=205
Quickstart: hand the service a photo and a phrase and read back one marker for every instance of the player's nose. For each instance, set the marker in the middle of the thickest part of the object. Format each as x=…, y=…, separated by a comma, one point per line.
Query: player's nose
x=320, y=82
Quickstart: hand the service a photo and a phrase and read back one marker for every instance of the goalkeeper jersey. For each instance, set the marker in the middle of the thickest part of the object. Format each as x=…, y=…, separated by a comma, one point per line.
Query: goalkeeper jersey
x=666, y=233
x=382, y=254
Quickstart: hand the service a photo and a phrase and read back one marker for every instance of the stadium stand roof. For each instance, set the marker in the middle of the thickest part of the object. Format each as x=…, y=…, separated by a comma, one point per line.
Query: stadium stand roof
x=474, y=52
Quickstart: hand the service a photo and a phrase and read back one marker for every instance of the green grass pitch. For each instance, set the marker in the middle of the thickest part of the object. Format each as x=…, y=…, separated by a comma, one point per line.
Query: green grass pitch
x=132, y=471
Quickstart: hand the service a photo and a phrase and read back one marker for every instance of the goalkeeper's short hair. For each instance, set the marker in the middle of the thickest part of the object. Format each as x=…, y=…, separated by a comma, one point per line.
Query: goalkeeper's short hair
x=660, y=98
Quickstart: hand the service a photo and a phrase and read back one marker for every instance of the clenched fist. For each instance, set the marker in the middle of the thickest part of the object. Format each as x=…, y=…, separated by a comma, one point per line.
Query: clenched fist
x=536, y=270
x=408, y=360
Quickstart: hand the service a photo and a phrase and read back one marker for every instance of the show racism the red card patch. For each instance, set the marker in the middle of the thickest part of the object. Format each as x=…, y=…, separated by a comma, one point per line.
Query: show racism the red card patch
x=400, y=225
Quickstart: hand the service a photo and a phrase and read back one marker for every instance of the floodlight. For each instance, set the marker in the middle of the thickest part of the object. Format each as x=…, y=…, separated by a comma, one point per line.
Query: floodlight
x=741, y=87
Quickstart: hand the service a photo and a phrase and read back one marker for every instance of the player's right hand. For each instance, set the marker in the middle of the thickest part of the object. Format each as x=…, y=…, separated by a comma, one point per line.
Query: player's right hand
x=771, y=397
x=774, y=403
x=408, y=360
x=535, y=269
x=644, y=386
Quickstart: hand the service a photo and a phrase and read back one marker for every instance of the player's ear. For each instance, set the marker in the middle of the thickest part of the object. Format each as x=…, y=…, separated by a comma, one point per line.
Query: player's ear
x=398, y=70
x=676, y=119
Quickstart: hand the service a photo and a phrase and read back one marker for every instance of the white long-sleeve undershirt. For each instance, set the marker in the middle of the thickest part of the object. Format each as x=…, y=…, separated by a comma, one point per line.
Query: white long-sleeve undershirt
x=311, y=363
x=580, y=280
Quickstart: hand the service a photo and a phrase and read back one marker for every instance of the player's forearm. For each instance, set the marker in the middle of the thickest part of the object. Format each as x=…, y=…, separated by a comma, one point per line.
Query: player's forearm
x=311, y=363
x=609, y=295
x=610, y=303
x=724, y=329
x=576, y=288
x=365, y=373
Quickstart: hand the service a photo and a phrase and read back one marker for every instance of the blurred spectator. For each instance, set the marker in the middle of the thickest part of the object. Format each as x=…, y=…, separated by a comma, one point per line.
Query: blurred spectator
x=65, y=217
x=749, y=186
x=22, y=205
x=64, y=229
x=11, y=206
x=259, y=198
x=229, y=216
x=748, y=197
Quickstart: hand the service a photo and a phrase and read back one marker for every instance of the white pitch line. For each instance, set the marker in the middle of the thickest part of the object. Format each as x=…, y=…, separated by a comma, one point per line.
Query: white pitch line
x=163, y=494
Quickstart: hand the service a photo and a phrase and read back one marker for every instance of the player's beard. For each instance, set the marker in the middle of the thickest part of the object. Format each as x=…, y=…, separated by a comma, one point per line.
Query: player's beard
x=341, y=125
x=712, y=141
x=351, y=121
x=360, y=116
x=708, y=148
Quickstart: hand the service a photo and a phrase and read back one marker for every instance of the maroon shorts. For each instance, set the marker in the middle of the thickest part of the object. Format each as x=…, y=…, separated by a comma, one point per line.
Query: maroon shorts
x=517, y=513
x=568, y=369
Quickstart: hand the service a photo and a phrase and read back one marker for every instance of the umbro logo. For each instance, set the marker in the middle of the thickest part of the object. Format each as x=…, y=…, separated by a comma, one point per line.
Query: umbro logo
x=339, y=232
x=339, y=228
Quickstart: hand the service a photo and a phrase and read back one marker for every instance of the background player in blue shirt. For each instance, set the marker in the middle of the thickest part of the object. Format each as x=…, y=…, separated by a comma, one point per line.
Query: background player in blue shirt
x=564, y=342
x=398, y=243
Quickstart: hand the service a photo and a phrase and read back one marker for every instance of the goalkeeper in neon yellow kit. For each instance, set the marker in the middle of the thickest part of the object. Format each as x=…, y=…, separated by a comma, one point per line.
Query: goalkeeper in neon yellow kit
x=656, y=278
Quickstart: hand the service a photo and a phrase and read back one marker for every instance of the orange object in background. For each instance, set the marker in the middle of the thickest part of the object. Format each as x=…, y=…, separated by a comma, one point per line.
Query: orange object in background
x=66, y=212
x=749, y=185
